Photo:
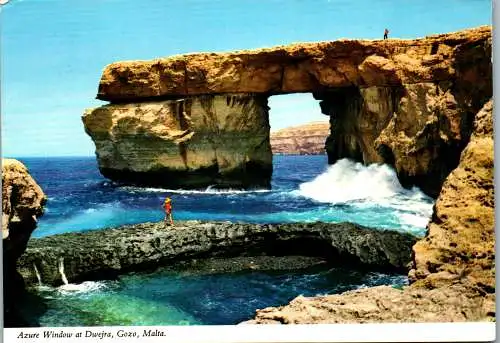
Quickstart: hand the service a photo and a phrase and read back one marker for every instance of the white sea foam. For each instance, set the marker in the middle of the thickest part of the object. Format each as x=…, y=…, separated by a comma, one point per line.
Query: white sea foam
x=348, y=182
x=84, y=287
x=209, y=190
x=414, y=219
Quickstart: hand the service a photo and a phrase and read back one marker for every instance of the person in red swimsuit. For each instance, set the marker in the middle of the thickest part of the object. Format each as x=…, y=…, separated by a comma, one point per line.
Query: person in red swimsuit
x=167, y=205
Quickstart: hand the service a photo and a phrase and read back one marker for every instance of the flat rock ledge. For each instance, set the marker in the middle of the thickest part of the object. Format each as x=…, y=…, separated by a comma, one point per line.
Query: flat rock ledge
x=384, y=304
x=105, y=254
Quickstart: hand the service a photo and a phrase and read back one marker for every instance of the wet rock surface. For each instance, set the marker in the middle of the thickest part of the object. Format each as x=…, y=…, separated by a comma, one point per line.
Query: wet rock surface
x=216, y=265
x=107, y=253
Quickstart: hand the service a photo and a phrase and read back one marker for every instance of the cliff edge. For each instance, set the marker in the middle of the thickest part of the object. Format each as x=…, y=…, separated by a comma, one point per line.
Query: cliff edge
x=203, y=119
x=306, y=139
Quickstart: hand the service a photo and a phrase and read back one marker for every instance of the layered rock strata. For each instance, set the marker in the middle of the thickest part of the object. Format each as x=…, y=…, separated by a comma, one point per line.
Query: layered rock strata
x=107, y=253
x=189, y=143
x=453, y=269
x=382, y=304
x=460, y=240
x=306, y=139
x=409, y=103
x=22, y=204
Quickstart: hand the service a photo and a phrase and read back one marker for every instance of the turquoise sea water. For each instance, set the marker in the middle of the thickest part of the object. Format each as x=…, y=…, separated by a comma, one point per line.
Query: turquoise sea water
x=173, y=298
x=53, y=52
x=304, y=188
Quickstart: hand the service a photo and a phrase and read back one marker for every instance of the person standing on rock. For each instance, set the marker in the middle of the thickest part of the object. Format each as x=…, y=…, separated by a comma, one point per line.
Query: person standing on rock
x=167, y=205
x=386, y=33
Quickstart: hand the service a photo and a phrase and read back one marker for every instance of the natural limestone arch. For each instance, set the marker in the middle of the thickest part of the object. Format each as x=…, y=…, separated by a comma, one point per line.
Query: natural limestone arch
x=202, y=119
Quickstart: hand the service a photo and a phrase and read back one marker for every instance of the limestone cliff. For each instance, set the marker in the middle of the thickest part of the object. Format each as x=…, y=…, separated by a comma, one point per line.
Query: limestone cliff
x=453, y=273
x=307, y=139
x=22, y=204
x=191, y=142
x=409, y=103
x=305, y=67
x=460, y=242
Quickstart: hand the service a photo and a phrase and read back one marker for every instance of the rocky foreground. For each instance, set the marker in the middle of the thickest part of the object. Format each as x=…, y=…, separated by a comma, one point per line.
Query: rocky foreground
x=453, y=273
x=104, y=254
x=203, y=119
x=22, y=203
x=306, y=139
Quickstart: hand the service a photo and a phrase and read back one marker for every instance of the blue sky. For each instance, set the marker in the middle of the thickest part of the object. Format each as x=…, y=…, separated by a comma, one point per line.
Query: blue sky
x=53, y=51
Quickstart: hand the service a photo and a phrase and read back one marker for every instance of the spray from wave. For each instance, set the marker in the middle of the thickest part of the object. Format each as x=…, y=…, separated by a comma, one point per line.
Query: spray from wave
x=347, y=181
x=84, y=287
x=375, y=185
x=208, y=191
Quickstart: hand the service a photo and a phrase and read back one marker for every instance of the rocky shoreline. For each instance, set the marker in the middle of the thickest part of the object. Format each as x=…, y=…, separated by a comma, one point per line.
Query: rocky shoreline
x=452, y=278
x=22, y=203
x=104, y=254
x=428, y=95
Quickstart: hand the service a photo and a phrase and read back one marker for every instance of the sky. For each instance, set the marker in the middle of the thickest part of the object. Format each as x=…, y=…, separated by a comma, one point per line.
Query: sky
x=53, y=51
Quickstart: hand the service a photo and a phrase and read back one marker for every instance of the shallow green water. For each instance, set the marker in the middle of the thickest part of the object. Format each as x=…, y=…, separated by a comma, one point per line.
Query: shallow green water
x=173, y=298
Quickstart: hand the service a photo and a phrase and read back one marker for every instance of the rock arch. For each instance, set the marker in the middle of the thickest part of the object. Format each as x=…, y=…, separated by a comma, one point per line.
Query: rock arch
x=202, y=119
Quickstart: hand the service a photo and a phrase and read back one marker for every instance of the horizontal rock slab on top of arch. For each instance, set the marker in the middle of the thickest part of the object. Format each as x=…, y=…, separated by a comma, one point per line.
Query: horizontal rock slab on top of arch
x=304, y=67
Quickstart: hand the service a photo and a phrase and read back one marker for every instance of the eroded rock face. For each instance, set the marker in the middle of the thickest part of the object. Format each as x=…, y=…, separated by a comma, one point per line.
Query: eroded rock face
x=192, y=142
x=460, y=242
x=408, y=103
x=453, y=273
x=103, y=254
x=420, y=128
x=307, y=139
x=306, y=67
x=381, y=304
x=22, y=204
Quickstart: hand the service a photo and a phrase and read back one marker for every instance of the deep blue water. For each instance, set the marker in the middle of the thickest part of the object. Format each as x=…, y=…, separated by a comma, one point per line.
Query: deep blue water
x=304, y=188
x=167, y=298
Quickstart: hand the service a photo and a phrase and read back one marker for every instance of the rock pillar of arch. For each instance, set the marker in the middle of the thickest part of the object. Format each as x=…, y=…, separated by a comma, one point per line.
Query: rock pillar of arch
x=202, y=119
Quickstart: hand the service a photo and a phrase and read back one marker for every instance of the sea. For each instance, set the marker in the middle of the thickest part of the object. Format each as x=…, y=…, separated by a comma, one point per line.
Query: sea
x=304, y=189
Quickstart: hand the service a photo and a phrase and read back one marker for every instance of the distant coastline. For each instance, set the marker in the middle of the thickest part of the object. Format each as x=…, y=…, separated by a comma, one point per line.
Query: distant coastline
x=306, y=139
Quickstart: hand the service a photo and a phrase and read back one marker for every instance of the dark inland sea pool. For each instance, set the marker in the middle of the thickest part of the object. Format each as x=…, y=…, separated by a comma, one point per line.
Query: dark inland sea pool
x=304, y=189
